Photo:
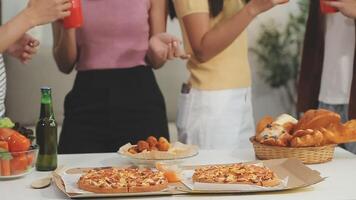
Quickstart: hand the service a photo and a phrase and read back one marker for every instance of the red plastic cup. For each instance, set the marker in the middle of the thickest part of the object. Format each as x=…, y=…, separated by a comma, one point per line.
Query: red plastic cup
x=75, y=19
x=326, y=9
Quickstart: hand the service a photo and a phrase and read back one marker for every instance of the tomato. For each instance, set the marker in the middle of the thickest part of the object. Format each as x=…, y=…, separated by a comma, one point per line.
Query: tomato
x=5, y=133
x=30, y=158
x=18, y=164
x=18, y=142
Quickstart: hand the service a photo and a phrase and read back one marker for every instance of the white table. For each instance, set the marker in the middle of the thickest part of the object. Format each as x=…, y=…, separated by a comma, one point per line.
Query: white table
x=341, y=183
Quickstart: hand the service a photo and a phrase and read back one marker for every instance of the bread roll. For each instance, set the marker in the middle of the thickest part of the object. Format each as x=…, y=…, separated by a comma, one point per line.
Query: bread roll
x=262, y=124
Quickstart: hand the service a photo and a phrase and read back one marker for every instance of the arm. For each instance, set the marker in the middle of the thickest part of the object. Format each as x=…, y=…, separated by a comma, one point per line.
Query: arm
x=64, y=47
x=346, y=7
x=36, y=13
x=158, y=20
x=207, y=42
x=162, y=46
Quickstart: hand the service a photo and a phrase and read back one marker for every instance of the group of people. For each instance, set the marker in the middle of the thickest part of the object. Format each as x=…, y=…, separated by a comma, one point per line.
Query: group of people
x=115, y=98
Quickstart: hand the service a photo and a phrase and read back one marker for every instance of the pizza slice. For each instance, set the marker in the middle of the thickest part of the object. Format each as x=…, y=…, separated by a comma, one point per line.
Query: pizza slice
x=111, y=180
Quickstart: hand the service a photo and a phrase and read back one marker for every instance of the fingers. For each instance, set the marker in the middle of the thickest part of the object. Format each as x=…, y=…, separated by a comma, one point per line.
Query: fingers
x=30, y=50
x=35, y=43
x=167, y=38
x=64, y=14
x=25, y=57
x=336, y=4
x=179, y=53
x=63, y=1
x=276, y=2
x=171, y=48
x=66, y=6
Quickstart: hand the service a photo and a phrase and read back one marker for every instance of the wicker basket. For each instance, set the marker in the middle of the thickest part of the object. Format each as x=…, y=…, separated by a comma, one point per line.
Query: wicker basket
x=308, y=155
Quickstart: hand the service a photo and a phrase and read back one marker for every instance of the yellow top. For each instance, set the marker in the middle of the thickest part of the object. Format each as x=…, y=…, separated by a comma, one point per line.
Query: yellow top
x=230, y=68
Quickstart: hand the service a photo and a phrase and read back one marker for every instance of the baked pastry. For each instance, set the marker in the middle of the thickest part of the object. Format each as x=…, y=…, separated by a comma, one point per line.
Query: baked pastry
x=317, y=119
x=340, y=133
x=237, y=174
x=276, y=133
x=316, y=128
x=114, y=180
x=308, y=138
x=262, y=124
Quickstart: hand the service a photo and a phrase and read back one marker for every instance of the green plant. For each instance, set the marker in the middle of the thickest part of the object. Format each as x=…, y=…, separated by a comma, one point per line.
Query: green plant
x=278, y=50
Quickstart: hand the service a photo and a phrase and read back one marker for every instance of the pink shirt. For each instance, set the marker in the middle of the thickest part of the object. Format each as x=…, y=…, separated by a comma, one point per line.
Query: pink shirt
x=115, y=34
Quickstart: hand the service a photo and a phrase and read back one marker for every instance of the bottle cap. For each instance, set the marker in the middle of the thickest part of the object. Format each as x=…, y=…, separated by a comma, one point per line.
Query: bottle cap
x=45, y=88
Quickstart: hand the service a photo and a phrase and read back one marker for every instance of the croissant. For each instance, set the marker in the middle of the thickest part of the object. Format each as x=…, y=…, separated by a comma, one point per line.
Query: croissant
x=340, y=133
x=308, y=138
x=317, y=119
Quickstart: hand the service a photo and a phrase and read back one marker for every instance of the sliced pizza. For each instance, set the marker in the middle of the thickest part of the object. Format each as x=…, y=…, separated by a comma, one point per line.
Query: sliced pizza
x=114, y=180
x=237, y=174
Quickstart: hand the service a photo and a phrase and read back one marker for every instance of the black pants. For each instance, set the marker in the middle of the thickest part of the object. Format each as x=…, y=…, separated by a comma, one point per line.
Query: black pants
x=109, y=108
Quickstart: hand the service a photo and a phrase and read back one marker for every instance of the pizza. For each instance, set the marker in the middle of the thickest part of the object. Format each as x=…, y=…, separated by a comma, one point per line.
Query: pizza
x=237, y=174
x=116, y=180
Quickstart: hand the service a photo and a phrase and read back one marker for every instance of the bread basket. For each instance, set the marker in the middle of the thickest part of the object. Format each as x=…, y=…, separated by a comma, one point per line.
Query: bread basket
x=308, y=155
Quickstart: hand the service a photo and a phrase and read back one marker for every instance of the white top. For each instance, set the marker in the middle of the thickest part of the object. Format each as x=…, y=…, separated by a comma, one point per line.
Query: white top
x=2, y=86
x=338, y=59
x=340, y=183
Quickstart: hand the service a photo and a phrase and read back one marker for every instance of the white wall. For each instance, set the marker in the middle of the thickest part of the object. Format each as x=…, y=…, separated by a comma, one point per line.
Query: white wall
x=24, y=81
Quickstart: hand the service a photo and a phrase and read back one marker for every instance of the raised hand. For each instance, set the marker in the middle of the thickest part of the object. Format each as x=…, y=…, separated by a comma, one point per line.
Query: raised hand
x=166, y=47
x=24, y=48
x=46, y=11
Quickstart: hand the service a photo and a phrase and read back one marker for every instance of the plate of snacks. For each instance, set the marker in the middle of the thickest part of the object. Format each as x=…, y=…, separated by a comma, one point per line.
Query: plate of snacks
x=312, y=139
x=152, y=150
x=17, y=154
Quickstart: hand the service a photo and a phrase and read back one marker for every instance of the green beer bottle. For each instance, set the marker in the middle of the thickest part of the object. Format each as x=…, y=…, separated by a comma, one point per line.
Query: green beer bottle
x=46, y=134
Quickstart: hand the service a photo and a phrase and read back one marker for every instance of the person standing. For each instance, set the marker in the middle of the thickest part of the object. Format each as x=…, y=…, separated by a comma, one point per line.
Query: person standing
x=215, y=109
x=15, y=42
x=327, y=77
x=115, y=98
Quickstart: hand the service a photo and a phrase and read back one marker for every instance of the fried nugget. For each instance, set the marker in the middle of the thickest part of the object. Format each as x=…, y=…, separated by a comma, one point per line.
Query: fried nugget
x=163, y=144
x=142, y=145
x=152, y=141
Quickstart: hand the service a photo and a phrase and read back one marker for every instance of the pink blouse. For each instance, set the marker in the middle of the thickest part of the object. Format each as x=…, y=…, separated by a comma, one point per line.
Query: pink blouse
x=114, y=35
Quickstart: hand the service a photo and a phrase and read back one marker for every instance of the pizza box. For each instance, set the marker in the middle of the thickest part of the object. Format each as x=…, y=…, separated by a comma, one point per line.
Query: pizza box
x=297, y=174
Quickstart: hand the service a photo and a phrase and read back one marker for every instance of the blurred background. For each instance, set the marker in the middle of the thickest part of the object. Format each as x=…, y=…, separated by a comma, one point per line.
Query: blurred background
x=274, y=65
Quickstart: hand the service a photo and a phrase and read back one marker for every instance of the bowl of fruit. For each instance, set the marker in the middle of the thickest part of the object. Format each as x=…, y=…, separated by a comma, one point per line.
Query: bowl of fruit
x=17, y=154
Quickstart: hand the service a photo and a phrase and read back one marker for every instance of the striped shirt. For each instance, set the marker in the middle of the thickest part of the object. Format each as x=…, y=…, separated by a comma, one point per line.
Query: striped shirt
x=2, y=86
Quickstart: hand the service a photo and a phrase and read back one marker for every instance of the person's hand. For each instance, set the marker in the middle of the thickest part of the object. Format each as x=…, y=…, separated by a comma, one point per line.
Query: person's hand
x=346, y=7
x=46, y=11
x=24, y=48
x=166, y=47
x=257, y=7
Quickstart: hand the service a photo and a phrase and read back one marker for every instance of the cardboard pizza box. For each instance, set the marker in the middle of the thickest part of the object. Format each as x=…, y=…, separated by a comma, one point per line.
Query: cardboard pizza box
x=297, y=174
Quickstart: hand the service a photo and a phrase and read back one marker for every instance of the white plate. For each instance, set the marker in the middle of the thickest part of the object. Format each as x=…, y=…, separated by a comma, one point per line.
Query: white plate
x=16, y=176
x=152, y=162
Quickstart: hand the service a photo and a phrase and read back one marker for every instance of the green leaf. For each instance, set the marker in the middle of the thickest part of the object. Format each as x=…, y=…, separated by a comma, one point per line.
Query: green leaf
x=6, y=123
